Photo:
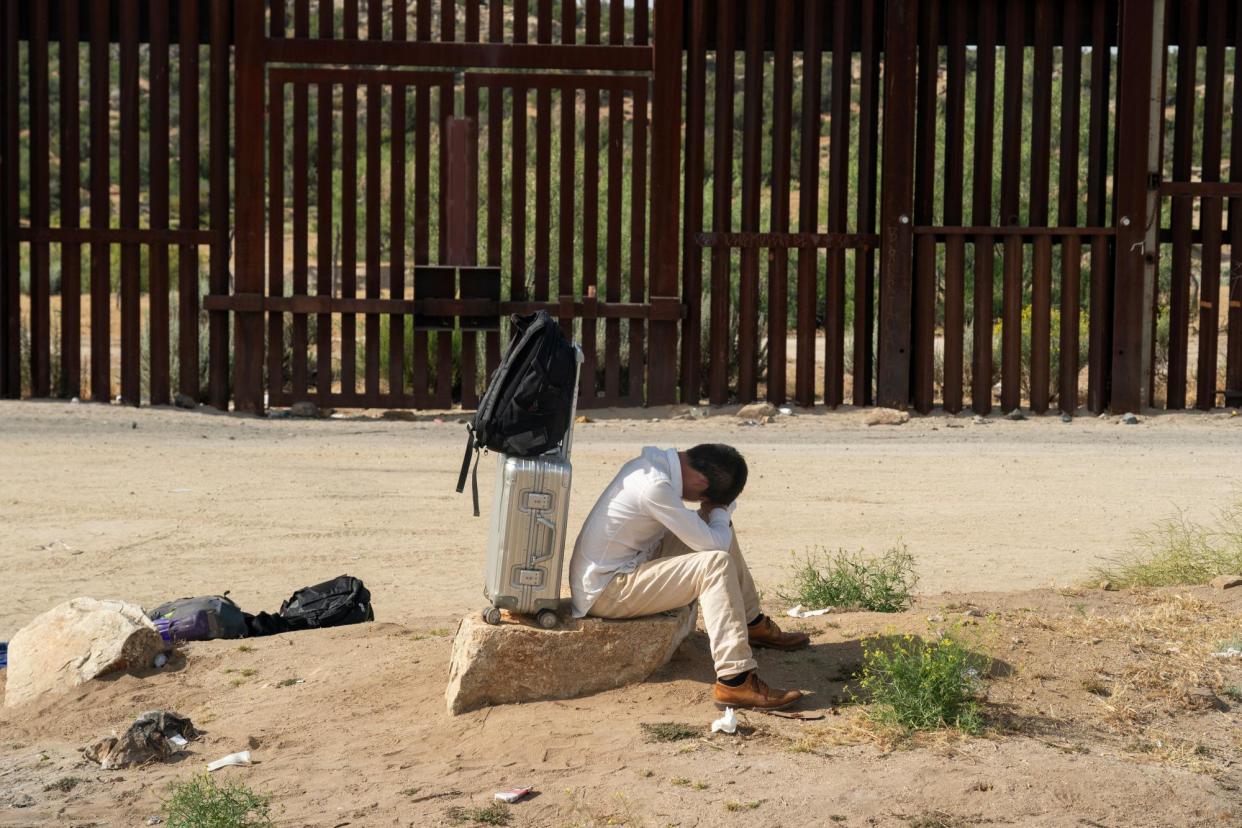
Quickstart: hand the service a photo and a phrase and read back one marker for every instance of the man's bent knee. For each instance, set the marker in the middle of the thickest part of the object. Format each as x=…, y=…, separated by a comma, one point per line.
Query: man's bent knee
x=715, y=560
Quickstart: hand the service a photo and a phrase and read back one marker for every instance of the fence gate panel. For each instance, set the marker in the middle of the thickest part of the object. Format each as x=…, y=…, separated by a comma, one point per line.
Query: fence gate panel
x=744, y=331
x=1199, y=291
x=411, y=202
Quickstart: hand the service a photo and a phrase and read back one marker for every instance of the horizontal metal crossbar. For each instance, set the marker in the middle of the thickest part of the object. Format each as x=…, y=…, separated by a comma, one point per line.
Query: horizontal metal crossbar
x=115, y=235
x=660, y=308
x=497, y=55
x=861, y=241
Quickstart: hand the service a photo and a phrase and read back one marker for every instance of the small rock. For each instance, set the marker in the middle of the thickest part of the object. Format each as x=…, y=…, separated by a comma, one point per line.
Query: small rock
x=133, y=425
x=582, y=418
x=75, y=401
x=886, y=416
x=1103, y=415
x=304, y=408
x=1017, y=640
x=1108, y=586
x=1129, y=419
x=154, y=820
x=756, y=410
x=1067, y=418
x=979, y=419
x=1016, y=414
x=184, y=401
x=786, y=411
x=1225, y=581
x=22, y=801
x=273, y=414
x=972, y=613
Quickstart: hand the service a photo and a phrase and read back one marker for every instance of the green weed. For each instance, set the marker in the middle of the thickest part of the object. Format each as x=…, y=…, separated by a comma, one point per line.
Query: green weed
x=922, y=685
x=669, y=731
x=497, y=813
x=201, y=802
x=1178, y=552
x=844, y=580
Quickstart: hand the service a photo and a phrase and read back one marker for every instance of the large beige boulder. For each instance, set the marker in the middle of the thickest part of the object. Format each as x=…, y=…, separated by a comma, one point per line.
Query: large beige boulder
x=76, y=642
x=520, y=662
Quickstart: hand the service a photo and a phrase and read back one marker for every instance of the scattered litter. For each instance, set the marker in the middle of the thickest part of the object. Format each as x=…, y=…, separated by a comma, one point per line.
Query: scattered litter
x=751, y=423
x=154, y=820
x=512, y=795
x=182, y=491
x=160, y=660
x=1016, y=414
x=74, y=401
x=1067, y=418
x=438, y=421
x=58, y=546
x=4, y=654
x=1103, y=415
x=786, y=410
x=241, y=758
x=156, y=734
x=972, y=612
x=726, y=723
x=582, y=418
x=800, y=611
x=979, y=419
x=1228, y=652
x=1129, y=418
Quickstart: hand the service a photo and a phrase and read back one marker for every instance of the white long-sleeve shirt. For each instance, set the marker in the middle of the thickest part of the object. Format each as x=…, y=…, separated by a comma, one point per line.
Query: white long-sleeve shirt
x=630, y=519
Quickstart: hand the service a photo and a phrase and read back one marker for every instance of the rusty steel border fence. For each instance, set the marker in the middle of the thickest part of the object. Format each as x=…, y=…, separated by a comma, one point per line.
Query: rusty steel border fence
x=927, y=203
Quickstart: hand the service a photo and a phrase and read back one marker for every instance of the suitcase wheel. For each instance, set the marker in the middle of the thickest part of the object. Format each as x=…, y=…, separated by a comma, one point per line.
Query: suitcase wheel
x=547, y=619
x=491, y=615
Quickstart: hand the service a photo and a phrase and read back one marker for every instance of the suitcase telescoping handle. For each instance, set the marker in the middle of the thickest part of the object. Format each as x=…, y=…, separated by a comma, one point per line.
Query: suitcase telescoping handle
x=568, y=441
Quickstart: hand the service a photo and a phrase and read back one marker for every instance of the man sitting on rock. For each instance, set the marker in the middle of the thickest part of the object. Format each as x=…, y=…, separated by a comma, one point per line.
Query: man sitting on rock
x=641, y=551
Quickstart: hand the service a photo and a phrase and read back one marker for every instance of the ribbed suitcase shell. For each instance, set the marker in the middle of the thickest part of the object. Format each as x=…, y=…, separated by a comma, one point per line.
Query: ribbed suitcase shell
x=526, y=540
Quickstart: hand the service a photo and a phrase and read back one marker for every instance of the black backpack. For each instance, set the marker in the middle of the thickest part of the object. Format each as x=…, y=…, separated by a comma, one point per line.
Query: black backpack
x=526, y=408
x=343, y=600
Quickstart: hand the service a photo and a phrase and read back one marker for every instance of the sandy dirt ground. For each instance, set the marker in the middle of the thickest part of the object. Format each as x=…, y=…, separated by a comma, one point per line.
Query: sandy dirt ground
x=152, y=504
x=1089, y=725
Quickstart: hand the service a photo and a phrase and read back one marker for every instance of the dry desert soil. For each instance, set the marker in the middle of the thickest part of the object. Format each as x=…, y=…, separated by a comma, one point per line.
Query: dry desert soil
x=1102, y=708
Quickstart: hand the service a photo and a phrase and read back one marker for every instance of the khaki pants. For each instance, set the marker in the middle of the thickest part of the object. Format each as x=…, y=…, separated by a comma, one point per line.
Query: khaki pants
x=720, y=581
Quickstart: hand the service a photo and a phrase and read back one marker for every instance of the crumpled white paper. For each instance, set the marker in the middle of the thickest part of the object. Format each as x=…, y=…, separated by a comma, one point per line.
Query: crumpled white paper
x=1228, y=652
x=800, y=611
x=239, y=758
x=726, y=723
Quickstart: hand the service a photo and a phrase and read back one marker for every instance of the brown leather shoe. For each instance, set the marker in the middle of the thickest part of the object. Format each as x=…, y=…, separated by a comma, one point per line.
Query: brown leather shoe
x=767, y=634
x=753, y=694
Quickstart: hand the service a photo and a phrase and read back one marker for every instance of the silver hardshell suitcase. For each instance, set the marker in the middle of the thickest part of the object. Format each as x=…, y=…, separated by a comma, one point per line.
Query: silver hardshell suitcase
x=526, y=541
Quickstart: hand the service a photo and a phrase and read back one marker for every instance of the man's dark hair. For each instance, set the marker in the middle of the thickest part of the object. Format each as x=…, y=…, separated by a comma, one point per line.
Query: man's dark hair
x=724, y=468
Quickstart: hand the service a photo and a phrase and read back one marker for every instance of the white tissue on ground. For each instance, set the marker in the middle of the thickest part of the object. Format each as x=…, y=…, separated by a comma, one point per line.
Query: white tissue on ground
x=239, y=758
x=726, y=723
x=800, y=611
